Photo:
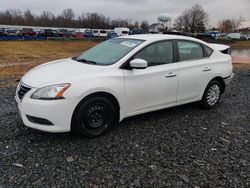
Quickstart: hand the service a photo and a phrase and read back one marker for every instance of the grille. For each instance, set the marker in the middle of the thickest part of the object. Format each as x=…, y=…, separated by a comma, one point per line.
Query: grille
x=22, y=90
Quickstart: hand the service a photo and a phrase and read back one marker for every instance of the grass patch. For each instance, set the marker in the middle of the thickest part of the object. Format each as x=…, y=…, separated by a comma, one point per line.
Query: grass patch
x=13, y=52
x=241, y=45
x=17, y=57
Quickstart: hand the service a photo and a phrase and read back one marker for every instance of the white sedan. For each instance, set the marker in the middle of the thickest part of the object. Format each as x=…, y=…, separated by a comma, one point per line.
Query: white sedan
x=122, y=77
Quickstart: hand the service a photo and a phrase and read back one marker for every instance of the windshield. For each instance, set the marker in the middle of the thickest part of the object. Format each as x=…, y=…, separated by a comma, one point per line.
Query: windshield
x=109, y=52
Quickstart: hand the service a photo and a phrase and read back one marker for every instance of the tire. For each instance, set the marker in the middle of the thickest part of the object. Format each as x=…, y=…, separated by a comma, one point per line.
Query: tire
x=211, y=94
x=93, y=117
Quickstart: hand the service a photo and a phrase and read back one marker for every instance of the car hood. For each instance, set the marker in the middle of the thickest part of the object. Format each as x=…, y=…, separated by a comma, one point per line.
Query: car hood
x=56, y=71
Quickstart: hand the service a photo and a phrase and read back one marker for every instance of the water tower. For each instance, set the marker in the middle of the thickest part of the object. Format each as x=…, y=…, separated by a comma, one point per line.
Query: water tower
x=165, y=19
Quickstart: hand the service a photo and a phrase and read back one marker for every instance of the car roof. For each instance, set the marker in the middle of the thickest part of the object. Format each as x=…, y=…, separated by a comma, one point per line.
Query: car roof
x=157, y=37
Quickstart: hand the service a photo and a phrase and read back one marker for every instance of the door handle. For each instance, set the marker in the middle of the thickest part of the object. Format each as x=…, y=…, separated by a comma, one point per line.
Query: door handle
x=206, y=69
x=171, y=75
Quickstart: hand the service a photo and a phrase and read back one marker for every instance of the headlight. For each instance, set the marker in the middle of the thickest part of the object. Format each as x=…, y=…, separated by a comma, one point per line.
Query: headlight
x=50, y=92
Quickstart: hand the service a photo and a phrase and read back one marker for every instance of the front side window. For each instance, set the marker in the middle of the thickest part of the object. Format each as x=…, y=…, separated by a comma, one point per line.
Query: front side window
x=189, y=50
x=157, y=54
x=109, y=52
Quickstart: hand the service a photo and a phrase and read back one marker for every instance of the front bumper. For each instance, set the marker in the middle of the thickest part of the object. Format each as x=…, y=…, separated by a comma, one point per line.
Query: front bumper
x=228, y=79
x=58, y=112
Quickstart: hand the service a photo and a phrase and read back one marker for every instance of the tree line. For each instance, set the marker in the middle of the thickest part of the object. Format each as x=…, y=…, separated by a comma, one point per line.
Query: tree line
x=66, y=19
x=194, y=20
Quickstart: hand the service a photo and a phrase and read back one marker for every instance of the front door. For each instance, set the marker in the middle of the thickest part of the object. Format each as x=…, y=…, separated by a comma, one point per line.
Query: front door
x=155, y=86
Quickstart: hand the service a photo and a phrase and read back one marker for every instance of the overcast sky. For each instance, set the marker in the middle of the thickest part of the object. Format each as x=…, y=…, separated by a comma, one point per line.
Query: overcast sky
x=136, y=9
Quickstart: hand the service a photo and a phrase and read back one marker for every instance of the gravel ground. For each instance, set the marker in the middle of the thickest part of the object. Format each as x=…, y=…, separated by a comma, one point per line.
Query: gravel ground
x=179, y=147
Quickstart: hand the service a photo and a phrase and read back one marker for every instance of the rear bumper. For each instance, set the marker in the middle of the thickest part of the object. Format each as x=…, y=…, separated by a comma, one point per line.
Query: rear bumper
x=228, y=79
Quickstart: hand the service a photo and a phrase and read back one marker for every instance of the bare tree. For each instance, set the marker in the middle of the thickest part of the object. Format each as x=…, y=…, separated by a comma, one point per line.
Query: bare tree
x=198, y=18
x=28, y=17
x=179, y=23
x=192, y=20
x=45, y=19
x=229, y=25
x=6, y=17
x=144, y=25
x=68, y=14
x=136, y=25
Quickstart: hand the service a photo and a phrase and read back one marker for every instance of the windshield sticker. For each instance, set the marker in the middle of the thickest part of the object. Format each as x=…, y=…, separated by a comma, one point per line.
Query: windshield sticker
x=128, y=44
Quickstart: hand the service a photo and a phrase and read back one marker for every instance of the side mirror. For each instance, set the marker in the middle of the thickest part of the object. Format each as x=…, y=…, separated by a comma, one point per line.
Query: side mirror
x=138, y=64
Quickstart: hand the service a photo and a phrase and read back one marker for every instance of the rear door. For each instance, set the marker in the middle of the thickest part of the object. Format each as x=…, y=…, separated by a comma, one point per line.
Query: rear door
x=195, y=70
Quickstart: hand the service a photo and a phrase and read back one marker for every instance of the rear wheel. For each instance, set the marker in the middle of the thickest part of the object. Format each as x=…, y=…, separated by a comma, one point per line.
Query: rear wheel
x=94, y=116
x=212, y=94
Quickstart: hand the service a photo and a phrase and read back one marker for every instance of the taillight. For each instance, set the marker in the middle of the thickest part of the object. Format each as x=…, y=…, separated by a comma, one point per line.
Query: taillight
x=227, y=51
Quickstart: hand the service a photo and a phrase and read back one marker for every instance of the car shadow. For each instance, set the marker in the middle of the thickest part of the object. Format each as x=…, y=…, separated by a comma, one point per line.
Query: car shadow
x=124, y=127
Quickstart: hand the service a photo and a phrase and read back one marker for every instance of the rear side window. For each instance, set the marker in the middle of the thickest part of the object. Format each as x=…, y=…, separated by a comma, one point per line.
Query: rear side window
x=208, y=51
x=157, y=54
x=189, y=50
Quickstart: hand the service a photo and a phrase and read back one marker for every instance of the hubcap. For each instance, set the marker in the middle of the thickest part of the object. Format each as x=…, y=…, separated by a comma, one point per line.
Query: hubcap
x=213, y=94
x=97, y=116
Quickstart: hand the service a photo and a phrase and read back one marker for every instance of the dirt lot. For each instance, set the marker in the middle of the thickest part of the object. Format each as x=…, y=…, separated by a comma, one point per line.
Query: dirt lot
x=183, y=146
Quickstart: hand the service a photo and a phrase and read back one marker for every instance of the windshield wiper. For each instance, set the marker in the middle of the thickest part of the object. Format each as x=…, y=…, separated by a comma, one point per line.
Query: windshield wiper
x=84, y=61
x=91, y=62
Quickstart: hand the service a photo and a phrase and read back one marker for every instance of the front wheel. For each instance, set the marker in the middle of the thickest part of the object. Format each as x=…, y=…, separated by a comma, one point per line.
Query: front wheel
x=212, y=94
x=94, y=116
